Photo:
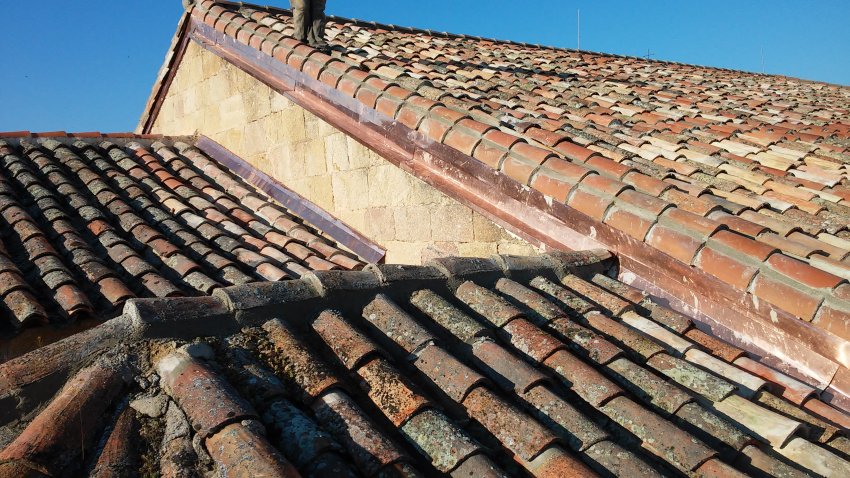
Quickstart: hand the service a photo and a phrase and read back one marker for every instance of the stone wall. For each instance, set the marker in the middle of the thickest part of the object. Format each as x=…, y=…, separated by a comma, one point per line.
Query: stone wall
x=409, y=218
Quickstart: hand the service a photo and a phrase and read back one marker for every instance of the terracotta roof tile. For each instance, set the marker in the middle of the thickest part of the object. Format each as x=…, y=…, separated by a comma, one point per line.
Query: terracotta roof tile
x=718, y=348
x=356, y=375
x=658, y=435
x=722, y=141
x=530, y=340
x=94, y=221
x=756, y=458
x=47, y=439
x=802, y=272
x=352, y=347
x=777, y=290
x=450, y=375
x=419, y=402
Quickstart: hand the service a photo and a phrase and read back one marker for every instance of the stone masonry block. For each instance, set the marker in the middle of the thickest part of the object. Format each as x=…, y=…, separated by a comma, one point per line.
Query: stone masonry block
x=477, y=249
x=256, y=138
x=257, y=103
x=336, y=150
x=210, y=64
x=439, y=249
x=292, y=125
x=399, y=252
x=356, y=219
x=231, y=137
x=217, y=89
x=452, y=223
x=485, y=230
x=321, y=191
x=192, y=99
x=232, y=111
x=280, y=102
x=314, y=152
x=517, y=248
x=260, y=161
x=192, y=70
x=380, y=223
x=286, y=163
x=388, y=185
x=360, y=156
x=412, y=223
x=212, y=120
x=351, y=189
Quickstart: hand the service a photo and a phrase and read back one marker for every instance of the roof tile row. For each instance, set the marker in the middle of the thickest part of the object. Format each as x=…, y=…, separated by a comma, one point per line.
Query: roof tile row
x=631, y=143
x=410, y=371
x=89, y=223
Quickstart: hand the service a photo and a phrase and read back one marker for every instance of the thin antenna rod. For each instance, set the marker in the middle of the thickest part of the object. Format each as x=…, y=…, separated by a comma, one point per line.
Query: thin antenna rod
x=578, y=18
x=762, y=60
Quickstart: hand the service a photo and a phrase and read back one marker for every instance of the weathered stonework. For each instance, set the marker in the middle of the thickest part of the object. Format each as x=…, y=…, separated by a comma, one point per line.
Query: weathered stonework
x=411, y=219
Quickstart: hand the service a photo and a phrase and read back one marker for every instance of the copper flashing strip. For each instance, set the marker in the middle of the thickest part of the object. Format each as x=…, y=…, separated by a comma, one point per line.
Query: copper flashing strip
x=754, y=325
x=403, y=147
x=166, y=74
x=300, y=206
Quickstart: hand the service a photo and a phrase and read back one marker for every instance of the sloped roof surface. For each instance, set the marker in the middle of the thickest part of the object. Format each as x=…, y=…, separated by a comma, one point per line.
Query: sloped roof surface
x=741, y=175
x=89, y=221
x=515, y=366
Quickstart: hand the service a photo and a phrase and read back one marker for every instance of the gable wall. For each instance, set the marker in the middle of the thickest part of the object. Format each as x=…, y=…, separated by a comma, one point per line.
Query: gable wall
x=409, y=218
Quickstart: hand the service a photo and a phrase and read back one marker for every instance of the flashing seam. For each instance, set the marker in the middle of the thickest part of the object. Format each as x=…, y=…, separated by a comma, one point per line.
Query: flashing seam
x=299, y=205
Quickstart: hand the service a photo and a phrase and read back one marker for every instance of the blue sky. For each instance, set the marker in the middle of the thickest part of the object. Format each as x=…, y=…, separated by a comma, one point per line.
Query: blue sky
x=82, y=66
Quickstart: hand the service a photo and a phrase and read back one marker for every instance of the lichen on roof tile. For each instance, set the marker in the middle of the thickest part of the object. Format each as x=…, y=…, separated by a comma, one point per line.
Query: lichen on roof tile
x=90, y=222
x=388, y=383
x=763, y=155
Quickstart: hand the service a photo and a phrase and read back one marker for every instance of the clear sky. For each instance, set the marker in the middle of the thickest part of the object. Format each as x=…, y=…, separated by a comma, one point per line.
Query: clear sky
x=82, y=66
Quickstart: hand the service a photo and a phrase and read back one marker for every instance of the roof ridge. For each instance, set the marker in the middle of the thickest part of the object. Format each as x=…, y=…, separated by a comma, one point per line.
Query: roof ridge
x=225, y=310
x=361, y=22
